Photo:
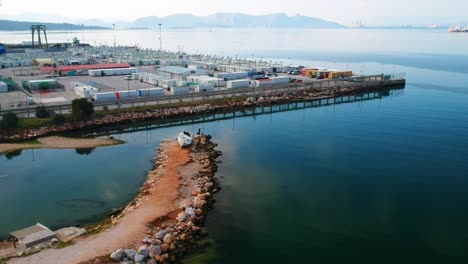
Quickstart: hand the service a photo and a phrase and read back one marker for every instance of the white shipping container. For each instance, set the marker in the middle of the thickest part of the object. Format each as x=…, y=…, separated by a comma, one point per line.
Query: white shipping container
x=180, y=83
x=110, y=96
x=195, y=67
x=280, y=80
x=86, y=91
x=203, y=88
x=166, y=83
x=179, y=90
x=238, y=84
x=135, y=76
x=263, y=83
x=3, y=87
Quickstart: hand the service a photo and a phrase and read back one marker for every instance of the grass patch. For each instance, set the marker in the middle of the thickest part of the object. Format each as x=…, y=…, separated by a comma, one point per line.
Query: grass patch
x=97, y=228
x=34, y=122
x=206, y=255
x=62, y=244
x=30, y=142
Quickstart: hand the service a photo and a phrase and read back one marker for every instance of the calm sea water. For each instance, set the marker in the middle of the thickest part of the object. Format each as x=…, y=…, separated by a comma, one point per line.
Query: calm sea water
x=381, y=181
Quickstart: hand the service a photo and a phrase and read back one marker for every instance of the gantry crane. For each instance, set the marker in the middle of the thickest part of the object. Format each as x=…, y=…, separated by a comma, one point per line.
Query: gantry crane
x=39, y=29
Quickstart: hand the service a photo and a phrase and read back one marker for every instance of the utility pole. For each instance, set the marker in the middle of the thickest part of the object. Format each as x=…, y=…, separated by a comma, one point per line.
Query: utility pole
x=160, y=38
x=115, y=44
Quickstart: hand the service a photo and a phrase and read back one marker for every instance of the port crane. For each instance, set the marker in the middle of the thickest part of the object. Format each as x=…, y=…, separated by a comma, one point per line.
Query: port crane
x=39, y=29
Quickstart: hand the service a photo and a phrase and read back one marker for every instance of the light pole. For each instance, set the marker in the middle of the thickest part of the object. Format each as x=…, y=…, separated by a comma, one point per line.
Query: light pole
x=160, y=38
x=115, y=44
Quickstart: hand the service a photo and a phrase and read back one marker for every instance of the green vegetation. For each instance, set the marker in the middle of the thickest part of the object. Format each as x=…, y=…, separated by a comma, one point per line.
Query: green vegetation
x=34, y=122
x=59, y=119
x=62, y=244
x=42, y=112
x=10, y=121
x=82, y=109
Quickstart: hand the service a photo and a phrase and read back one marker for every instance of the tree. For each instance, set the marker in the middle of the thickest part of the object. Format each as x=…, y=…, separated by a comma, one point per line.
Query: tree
x=59, y=119
x=42, y=112
x=82, y=109
x=10, y=120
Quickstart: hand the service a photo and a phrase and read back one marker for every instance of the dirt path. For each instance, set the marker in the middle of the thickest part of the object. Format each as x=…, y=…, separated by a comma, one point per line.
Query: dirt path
x=57, y=142
x=131, y=228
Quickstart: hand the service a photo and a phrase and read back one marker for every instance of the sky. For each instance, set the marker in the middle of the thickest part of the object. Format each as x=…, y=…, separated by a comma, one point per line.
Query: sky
x=370, y=12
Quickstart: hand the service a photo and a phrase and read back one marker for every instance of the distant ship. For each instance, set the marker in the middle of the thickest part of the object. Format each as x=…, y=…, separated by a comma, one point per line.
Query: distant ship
x=433, y=26
x=356, y=24
x=455, y=29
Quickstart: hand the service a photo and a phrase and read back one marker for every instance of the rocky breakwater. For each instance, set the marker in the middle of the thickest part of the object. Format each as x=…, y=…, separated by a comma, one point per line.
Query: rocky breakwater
x=169, y=240
x=307, y=93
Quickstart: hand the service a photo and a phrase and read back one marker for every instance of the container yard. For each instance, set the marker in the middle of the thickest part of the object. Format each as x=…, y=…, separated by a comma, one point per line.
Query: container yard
x=128, y=73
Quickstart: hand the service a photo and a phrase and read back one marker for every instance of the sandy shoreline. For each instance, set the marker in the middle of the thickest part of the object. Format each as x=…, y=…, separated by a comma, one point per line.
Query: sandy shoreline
x=169, y=184
x=56, y=142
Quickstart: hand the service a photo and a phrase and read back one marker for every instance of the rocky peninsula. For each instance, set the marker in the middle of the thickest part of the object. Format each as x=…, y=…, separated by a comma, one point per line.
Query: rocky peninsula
x=163, y=223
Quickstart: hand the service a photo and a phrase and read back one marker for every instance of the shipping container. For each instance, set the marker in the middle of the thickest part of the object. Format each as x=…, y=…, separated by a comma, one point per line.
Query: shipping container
x=238, y=84
x=179, y=90
x=203, y=88
x=167, y=83
x=86, y=91
x=151, y=92
x=339, y=74
x=111, y=72
x=180, y=83
x=110, y=96
x=280, y=80
x=265, y=82
x=122, y=95
x=135, y=76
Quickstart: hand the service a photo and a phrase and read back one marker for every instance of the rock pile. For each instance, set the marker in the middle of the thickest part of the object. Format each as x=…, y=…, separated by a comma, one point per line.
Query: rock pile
x=170, y=241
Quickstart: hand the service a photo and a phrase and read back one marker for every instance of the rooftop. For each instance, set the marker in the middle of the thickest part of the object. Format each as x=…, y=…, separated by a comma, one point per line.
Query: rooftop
x=33, y=233
x=174, y=69
x=87, y=67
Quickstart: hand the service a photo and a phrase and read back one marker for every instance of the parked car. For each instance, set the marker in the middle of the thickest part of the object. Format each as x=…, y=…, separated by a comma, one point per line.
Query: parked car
x=295, y=72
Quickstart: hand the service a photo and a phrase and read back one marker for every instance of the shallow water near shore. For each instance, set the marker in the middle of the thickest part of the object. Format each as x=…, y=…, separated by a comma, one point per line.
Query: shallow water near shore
x=378, y=181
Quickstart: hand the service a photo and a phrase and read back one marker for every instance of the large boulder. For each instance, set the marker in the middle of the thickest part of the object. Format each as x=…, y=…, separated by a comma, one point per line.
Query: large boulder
x=154, y=250
x=168, y=239
x=130, y=253
x=139, y=258
x=143, y=251
x=190, y=211
x=117, y=255
x=181, y=217
x=160, y=235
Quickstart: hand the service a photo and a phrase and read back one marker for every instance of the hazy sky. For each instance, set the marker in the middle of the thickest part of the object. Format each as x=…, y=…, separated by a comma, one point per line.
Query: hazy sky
x=371, y=12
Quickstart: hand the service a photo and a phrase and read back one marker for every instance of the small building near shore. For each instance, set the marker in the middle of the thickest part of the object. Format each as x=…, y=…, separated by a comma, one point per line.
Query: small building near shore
x=32, y=236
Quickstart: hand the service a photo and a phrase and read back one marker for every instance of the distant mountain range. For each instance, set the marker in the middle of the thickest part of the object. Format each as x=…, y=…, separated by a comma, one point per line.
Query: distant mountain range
x=9, y=25
x=234, y=20
x=217, y=20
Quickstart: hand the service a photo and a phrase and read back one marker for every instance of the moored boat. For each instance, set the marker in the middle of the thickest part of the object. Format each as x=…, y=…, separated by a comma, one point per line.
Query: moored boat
x=184, y=139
